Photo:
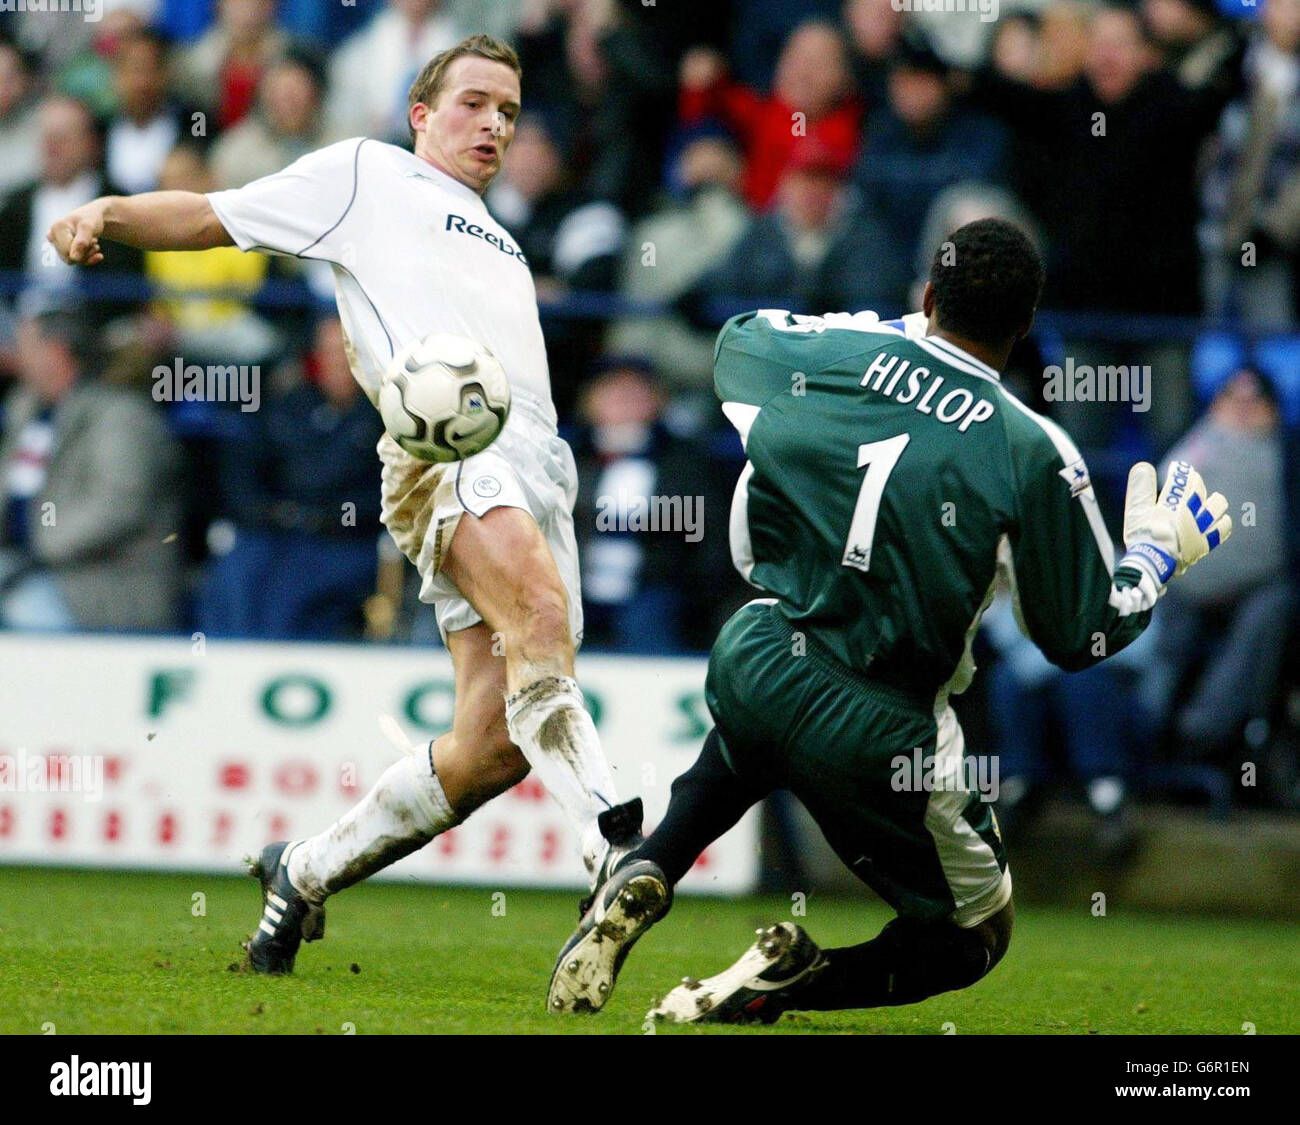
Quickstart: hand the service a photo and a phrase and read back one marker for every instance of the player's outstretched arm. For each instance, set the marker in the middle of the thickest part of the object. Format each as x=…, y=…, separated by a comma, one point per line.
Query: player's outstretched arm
x=1077, y=606
x=156, y=220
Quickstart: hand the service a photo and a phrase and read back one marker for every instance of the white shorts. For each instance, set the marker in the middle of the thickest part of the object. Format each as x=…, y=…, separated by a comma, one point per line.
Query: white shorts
x=529, y=467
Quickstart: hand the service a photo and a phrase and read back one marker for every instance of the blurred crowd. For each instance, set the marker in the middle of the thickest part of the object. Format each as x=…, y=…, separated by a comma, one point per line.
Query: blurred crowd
x=674, y=164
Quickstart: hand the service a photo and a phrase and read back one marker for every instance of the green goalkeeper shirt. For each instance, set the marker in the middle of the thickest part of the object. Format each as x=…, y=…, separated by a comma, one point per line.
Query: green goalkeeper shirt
x=888, y=480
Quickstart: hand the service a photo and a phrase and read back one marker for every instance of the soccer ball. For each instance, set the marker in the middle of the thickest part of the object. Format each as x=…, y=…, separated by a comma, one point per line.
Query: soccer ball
x=444, y=398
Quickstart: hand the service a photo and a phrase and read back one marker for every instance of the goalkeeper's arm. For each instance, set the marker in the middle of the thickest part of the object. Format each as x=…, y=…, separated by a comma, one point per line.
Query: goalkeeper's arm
x=156, y=220
x=1078, y=606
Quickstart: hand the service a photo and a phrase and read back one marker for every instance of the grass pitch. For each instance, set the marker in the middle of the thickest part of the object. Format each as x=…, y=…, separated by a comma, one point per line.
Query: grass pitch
x=113, y=953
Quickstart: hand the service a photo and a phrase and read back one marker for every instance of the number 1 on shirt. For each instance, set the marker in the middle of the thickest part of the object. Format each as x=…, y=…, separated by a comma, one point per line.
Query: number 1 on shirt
x=879, y=459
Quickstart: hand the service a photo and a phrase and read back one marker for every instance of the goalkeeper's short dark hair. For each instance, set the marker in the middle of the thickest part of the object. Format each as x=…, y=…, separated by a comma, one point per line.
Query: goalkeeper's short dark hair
x=987, y=279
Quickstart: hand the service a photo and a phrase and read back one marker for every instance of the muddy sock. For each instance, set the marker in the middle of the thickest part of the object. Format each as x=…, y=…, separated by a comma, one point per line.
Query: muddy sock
x=552, y=729
x=404, y=811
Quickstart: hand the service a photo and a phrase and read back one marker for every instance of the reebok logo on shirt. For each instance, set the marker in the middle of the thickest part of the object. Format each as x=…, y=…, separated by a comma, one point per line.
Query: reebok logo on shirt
x=460, y=223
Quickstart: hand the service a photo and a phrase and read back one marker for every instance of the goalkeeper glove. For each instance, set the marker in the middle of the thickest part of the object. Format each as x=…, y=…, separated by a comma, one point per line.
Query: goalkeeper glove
x=1166, y=534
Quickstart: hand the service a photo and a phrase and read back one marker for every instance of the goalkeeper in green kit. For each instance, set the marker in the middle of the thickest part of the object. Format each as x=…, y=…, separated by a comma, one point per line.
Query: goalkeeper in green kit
x=890, y=478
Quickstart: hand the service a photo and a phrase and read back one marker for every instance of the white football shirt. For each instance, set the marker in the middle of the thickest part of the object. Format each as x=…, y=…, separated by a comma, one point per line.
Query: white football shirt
x=413, y=251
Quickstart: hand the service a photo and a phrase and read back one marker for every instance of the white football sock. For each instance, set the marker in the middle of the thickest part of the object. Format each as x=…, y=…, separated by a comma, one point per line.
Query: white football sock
x=552, y=729
x=404, y=811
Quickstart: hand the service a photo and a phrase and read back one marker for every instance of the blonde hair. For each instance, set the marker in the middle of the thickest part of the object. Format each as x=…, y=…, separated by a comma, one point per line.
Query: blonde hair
x=429, y=82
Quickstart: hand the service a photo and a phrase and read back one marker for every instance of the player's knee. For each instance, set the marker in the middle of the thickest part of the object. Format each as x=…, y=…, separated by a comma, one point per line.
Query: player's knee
x=937, y=957
x=967, y=958
x=976, y=950
x=995, y=933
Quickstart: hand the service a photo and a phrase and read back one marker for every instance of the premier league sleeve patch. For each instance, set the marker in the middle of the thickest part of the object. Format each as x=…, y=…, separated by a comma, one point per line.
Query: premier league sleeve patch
x=1075, y=475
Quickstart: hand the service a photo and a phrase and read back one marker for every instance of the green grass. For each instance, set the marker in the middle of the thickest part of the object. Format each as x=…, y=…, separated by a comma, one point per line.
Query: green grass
x=97, y=952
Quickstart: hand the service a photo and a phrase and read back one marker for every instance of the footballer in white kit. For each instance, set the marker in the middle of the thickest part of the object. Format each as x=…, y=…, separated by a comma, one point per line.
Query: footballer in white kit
x=414, y=251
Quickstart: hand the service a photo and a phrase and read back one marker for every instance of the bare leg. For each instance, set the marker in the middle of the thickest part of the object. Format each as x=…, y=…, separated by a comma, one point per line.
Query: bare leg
x=425, y=793
x=502, y=565
x=476, y=759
